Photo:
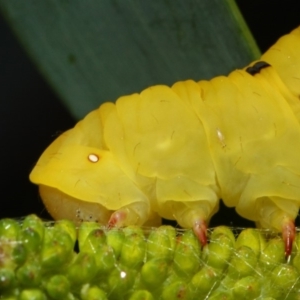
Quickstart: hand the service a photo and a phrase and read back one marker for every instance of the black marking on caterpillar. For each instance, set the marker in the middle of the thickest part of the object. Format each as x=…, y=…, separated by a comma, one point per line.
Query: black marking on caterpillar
x=257, y=67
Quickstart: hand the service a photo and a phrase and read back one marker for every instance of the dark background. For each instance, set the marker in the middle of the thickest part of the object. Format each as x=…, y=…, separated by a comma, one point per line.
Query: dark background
x=28, y=127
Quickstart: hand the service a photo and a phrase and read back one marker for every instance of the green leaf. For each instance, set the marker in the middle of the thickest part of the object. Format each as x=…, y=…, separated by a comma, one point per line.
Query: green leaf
x=97, y=50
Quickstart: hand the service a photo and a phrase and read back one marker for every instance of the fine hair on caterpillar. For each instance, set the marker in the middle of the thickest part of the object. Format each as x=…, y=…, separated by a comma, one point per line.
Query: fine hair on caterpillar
x=174, y=152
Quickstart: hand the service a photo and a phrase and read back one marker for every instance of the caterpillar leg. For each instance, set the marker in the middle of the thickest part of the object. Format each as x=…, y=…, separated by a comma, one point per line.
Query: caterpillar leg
x=196, y=216
x=200, y=230
x=279, y=214
x=137, y=213
x=288, y=235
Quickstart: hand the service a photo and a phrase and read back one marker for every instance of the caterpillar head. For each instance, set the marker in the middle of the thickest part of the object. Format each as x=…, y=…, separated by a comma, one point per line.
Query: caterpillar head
x=80, y=179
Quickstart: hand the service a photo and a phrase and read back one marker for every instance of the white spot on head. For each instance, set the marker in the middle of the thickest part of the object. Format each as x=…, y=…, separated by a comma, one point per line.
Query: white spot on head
x=93, y=158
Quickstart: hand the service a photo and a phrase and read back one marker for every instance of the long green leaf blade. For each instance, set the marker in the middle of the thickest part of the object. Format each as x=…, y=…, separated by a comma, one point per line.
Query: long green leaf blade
x=94, y=51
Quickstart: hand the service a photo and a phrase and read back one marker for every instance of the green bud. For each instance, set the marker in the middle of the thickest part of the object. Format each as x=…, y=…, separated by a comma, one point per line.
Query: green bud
x=58, y=287
x=12, y=253
x=32, y=240
x=92, y=293
x=84, y=230
x=96, y=243
x=69, y=227
x=242, y=263
x=138, y=282
x=172, y=277
x=251, y=238
x=221, y=295
x=224, y=230
x=272, y=255
x=187, y=256
x=218, y=252
x=133, y=229
x=176, y=290
x=30, y=274
x=161, y=243
x=228, y=282
x=105, y=259
x=9, y=241
x=57, y=249
x=7, y=279
x=296, y=261
x=71, y=296
x=9, y=297
x=296, y=243
x=284, y=278
x=19, y=254
x=32, y=221
x=115, y=238
x=9, y=229
x=134, y=249
x=120, y=282
x=154, y=272
x=296, y=252
x=32, y=234
x=32, y=294
x=83, y=269
x=268, y=290
x=141, y=295
x=204, y=281
x=247, y=288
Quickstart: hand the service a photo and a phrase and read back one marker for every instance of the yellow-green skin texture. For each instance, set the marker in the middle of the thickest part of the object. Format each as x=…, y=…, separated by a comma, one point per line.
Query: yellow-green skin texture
x=173, y=152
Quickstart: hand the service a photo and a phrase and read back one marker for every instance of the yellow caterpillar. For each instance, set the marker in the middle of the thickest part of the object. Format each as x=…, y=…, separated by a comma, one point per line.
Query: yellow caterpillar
x=173, y=152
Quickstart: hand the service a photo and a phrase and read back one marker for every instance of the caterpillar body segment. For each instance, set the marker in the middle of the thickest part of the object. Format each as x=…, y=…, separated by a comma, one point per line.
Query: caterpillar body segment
x=174, y=152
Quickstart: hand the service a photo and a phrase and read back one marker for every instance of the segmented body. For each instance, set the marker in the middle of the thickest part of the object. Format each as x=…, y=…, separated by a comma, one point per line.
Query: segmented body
x=173, y=152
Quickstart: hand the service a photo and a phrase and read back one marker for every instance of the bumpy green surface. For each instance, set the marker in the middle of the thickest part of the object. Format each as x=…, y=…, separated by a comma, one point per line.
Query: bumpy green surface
x=42, y=260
